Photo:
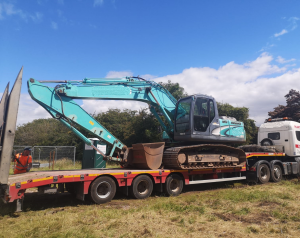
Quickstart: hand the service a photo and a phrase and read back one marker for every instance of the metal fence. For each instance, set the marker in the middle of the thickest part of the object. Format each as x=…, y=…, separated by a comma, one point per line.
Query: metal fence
x=42, y=153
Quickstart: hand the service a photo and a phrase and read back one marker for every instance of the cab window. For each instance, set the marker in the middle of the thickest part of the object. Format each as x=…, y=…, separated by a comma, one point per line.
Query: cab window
x=201, y=120
x=274, y=136
x=183, y=115
x=298, y=135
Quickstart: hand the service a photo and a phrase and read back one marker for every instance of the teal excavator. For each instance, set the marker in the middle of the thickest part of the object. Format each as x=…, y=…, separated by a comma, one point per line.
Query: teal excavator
x=194, y=134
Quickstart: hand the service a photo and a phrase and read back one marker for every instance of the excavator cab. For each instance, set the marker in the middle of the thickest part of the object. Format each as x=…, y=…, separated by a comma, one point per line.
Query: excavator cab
x=197, y=119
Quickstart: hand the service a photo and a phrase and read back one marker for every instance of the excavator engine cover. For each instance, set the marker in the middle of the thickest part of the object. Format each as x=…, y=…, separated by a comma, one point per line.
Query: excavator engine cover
x=148, y=156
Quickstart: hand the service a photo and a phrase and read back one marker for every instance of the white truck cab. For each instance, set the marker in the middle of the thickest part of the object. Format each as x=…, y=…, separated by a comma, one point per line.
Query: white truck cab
x=282, y=133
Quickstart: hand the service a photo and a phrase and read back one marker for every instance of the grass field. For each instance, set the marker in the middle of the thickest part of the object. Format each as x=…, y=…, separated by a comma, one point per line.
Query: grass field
x=217, y=210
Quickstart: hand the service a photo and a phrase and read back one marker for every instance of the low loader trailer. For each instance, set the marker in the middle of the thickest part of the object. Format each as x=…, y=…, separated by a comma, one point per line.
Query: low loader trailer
x=195, y=148
x=100, y=185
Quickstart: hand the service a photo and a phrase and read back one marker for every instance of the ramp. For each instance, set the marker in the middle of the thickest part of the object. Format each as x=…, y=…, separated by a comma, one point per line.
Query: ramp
x=9, y=112
x=3, y=106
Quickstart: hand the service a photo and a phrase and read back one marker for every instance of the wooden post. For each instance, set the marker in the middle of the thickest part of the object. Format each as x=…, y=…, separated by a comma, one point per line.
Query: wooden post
x=50, y=159
x=53, y=160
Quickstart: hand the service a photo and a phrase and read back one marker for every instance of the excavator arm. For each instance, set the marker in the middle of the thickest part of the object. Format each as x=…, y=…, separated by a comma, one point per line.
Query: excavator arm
x=59, y=102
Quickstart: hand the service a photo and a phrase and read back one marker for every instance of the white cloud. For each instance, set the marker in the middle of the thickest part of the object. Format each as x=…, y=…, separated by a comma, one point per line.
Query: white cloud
x=241, y=85
x=54, y=25
x=267, y=47
x=259, y=85
x=290, y=27
x=29, y=110
x=36, y=17
x=8, y=10
x=98, y=2
x=96, y=106
x=148, y=76
x=293, y=21
x=118, y=74
x=284, y=31
x=283, y=61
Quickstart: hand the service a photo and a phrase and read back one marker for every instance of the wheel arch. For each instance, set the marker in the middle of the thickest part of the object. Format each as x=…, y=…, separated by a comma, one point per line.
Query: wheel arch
x=106, y=175
x=149, y=175
x=258, y=163
x=180, y=174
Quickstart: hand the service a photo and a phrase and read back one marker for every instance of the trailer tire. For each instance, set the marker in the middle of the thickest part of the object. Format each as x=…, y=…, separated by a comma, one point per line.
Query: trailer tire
x=276, y=173
x=173, y=185
x=103, y=189
x=142, y=187
x=263, y=173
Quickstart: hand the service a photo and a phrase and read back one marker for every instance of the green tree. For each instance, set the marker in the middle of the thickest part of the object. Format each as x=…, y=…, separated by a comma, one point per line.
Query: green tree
x=292, y=108
x=175, y=89
x=47, y=132
x=241, y=114
x=131, y=126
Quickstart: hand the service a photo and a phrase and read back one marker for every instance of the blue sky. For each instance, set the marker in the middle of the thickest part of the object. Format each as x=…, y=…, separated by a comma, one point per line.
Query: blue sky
x=240, y=52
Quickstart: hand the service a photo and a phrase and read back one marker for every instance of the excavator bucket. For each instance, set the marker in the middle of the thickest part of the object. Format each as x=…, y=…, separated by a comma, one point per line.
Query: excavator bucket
x=147, y=156
x=9, y=112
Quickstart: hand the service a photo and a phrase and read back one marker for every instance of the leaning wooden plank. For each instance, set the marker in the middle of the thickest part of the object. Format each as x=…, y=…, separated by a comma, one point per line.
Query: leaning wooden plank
x=3, y=104
x=10, y=128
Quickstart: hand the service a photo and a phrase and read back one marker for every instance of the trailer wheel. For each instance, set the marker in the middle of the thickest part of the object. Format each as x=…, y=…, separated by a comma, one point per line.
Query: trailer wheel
x=102, y=190
x=173, y=185
x=141, y=187
x=263, y=173
x=276, y=173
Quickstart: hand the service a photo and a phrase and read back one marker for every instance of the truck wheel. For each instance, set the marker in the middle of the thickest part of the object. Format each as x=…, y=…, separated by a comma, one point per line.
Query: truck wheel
x=263, y=173
x=102, y=190
x=276, y=173
x=173, y=185
x=141, y=187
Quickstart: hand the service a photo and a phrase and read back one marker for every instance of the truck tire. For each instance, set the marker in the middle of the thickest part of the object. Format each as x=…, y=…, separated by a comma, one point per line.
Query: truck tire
x=266, y=142
x=173, y=185
x=142, y=187
x=103, y=189
x=263, y=173
x=276, y=173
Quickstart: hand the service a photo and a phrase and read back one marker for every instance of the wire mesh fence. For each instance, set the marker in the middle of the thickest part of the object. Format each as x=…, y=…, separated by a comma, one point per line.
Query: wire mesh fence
x=52, y=157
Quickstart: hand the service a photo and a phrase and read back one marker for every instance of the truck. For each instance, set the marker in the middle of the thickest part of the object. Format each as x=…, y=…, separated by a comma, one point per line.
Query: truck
x=184, y=158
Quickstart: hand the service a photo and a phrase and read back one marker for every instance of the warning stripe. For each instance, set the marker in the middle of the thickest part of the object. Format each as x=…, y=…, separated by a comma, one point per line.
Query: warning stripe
x=265, y=154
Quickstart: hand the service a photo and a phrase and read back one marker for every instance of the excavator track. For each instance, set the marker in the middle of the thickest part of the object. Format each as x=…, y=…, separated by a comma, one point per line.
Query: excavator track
x=203, y=156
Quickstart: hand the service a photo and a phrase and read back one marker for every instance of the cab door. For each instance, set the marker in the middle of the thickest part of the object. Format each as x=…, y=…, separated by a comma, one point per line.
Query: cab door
x=201, y=119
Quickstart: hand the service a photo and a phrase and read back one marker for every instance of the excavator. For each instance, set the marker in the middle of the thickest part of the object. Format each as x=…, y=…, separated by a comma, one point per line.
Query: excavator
x=194, y=134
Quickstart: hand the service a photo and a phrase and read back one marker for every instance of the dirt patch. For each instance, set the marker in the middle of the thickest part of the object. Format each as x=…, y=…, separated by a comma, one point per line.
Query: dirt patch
x=268, y=204
x=249, y=219
x=119, y=205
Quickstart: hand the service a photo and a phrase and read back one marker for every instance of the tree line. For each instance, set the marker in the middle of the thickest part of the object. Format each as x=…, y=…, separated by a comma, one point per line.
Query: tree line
x=132, y=126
